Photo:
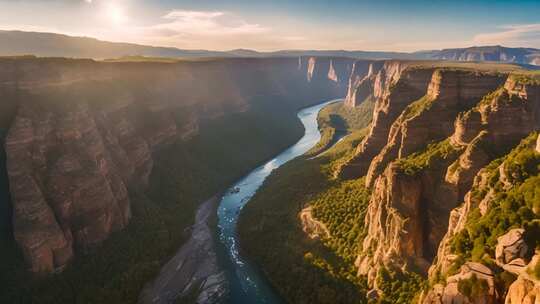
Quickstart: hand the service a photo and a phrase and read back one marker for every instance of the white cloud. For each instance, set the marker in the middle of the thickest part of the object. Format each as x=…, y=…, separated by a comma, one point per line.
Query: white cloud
x=203, y=24
x=512, y=35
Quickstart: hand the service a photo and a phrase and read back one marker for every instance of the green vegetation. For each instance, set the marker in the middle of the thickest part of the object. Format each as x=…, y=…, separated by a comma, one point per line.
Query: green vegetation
x=301, y=269
x=526, y=77
x=399, y=287
x=342, y=207
x=321, y=270
x=337, y=119
x=473, y=287
x=511, y=207
x=418, y=161
x=500, y=94
x=355, y=118
x=486, y=100
x=417, y=107
x=184, y=175
x=473, y=67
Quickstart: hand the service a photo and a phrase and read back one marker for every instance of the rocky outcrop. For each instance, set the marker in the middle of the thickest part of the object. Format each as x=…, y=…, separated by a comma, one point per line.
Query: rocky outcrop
x=77, y=164
x=458, y=288
x=337, y=70
x=523, y=291
x=395, y=87
x=431, y=118
x=340, y=70
x=403, y=218
x=84, y=133
x=510, y=246
x=313, y=228
x=512, y=252
x=526, y=288
x=511, y=256
x=496, y=135
x=394, y=206
x=362, y=81
x=64, y=184
x=417, y=184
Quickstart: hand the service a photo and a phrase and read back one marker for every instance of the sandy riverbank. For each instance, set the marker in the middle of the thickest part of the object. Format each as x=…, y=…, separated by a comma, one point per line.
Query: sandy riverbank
x=193, y=272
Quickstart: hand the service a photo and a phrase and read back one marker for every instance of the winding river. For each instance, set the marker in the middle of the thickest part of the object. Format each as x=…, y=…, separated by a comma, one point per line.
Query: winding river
x=248, y=285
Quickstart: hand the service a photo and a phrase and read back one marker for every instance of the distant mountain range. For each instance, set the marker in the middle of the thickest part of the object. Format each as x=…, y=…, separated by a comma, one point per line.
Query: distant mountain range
x=58, y=45
x=488, y=53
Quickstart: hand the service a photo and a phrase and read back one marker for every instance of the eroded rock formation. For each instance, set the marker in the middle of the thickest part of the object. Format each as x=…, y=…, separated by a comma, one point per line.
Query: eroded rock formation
x=361, y=81
x=433, y=131
x=395, y=86
x=511, y=254
x=84, y=132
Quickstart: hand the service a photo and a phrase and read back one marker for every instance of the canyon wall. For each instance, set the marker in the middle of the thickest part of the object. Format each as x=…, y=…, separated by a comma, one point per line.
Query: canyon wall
x=393, y=88
x=81, y=133
x=433, y=130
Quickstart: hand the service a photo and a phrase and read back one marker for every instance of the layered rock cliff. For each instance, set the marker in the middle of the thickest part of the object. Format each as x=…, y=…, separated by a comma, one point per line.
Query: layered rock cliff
x=83, y=133
x=434, y=128
x=361, y=81
x=431, y=117
x=337, y=70
x=489, y=230
x=394, y=87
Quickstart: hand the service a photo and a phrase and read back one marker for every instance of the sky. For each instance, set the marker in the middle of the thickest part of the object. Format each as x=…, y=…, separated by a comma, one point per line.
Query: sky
x=274, y=25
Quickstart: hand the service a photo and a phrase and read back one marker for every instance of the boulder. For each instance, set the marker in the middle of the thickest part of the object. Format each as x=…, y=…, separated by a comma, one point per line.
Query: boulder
x=523, y=291
x=510, y=246
x=526, y=289
x=452, y=293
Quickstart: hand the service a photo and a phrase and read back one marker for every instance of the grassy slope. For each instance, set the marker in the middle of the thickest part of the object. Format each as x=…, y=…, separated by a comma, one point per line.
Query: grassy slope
x=304, y=270
x=184, y=175
x=337, y=119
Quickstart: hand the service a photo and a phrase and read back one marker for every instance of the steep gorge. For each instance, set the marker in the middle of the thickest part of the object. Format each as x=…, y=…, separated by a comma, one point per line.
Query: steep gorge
x=443, y=148
x=423, y=152
x=82, y=134
x=366, y=222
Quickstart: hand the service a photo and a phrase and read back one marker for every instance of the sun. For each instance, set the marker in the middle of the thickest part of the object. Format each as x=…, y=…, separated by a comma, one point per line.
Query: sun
x=115, y=13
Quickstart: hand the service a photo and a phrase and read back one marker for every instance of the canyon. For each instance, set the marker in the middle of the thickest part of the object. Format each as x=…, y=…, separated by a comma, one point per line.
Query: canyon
x=433, y=130
x=82, y=134
x=437, y=185
x=448, y=144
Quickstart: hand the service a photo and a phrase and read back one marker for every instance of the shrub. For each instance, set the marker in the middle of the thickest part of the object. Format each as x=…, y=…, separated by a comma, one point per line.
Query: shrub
x=473, y=287
x=416, y=162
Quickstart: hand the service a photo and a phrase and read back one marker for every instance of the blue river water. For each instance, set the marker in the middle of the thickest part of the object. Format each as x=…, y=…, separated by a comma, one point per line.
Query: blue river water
x=248, y=285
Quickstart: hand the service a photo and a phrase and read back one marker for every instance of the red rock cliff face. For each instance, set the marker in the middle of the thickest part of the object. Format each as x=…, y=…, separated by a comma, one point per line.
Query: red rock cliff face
x=431, y=118
x=84, y=132
x=395, y=87
x=362, y=82
x=496, y=135
x=414, y=194
x=322, y=69
x=512, y=254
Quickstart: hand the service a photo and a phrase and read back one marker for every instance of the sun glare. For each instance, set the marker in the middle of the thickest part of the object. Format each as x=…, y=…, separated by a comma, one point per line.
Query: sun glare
x=115, y=13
